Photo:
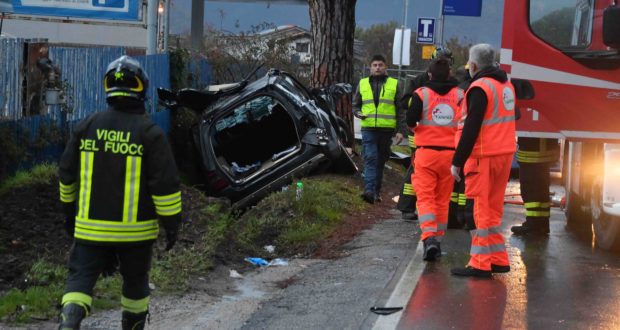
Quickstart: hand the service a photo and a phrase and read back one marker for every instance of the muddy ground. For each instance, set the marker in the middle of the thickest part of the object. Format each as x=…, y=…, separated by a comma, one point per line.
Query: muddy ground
x=31, y=227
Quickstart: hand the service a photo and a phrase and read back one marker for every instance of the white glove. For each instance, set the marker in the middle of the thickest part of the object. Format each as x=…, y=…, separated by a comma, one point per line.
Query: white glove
x=455, y=173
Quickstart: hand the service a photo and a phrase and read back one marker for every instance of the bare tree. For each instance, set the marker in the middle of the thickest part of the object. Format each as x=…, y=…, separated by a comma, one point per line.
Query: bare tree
x=333, y=29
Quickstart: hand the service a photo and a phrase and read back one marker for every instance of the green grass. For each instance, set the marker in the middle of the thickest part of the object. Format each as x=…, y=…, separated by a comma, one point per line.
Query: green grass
x=172, y=272
x=43, y=173
x=297, y=226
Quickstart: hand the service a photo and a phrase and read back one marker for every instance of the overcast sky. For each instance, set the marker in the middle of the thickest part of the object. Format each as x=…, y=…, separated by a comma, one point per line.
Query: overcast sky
x=239, y=16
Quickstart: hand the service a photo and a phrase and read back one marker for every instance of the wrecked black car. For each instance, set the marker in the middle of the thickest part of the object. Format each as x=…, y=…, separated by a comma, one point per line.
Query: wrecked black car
x=254, y=137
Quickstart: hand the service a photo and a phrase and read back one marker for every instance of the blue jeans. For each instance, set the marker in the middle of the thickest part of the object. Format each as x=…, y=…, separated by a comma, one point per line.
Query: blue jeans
x=375, y=151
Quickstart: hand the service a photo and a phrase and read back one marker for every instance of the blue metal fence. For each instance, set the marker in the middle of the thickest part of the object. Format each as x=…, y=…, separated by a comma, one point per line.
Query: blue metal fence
x=83, y=70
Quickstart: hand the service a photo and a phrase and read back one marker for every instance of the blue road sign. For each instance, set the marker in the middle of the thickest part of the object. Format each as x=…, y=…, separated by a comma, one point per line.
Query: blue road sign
x=96, y=9
x=462, y=7
x=426, y=31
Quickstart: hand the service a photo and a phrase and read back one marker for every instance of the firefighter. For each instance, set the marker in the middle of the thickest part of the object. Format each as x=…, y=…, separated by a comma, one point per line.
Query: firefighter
x=407, y=199
x=433, y=117
x=117, y=177
x=535, y=156
x=485, y=152
x=375, y=102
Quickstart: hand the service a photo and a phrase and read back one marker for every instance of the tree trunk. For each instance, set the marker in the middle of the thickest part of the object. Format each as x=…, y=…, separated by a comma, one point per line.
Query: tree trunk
x=333, y=30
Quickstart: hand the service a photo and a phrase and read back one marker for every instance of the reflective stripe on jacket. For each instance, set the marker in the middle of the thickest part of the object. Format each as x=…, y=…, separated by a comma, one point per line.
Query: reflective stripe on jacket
x=438, y=123
x=384, y=115
x=497, y=135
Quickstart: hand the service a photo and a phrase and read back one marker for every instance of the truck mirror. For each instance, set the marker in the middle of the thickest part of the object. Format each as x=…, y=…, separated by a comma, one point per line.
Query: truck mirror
x=523, y=89
x=611, y=26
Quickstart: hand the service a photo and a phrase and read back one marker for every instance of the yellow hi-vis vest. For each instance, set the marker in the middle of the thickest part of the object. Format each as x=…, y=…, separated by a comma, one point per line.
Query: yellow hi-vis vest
x=383, y=116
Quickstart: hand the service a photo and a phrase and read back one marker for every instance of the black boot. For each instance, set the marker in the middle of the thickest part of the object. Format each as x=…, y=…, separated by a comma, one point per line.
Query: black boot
x=532, y=227
x=432, y=249
x=71, y=316
x=133, y=321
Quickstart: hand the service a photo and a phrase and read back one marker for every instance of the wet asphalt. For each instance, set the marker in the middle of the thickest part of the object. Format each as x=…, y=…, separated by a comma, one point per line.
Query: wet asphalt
x=559, y=281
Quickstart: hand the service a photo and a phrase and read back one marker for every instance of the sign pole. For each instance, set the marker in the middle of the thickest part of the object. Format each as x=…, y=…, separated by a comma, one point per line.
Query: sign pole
x=440, y=25
x=402, y=38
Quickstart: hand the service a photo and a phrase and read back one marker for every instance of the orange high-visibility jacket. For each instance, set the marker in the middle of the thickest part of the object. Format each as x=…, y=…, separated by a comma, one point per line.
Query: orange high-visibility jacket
x=438, y=123
x=497, y=134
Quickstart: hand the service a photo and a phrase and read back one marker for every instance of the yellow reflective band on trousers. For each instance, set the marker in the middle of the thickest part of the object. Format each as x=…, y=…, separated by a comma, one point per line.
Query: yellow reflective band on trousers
x=412, y=141
x=167, y=205
x=537, y=213
x=135, y=306
x=408, y=189
x=531, y=205
x=78, y=298
x=86, y=176
x=454, y=198
x=462, y=199
x=133, y=169
x=68, y=192
x=537, y=156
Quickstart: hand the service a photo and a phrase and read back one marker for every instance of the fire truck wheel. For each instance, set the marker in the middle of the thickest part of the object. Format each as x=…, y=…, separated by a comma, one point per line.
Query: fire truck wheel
x=606, y=227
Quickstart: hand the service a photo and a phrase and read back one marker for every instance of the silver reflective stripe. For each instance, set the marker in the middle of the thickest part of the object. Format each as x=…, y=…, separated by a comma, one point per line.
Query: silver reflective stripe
x=481, y=232
x=132, y=188
x=460, y=94
x=368, y=102
x=140, y=225
x=386, y=101
x=494, y=230
x=432, y=123
x=85, y=183
x=495, y=97
x=425, y=105
x=123, y=237
x=477, y=249
x=386, y=116
x=497, y=248
x=426, y=217
x=429, y=229
x=498, y=120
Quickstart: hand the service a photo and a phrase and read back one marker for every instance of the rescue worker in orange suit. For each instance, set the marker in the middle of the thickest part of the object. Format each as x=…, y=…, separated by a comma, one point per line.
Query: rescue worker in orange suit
x=433, y=114
x=485, y=151
x=407, y=199
x=460, y=214
x=375, y=102
x=535, y=156
x=117, y=177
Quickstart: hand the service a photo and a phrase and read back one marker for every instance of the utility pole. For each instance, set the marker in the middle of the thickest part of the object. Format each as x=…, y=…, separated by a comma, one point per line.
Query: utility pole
x=197, y=26
x=440, y=25
x=151, y=27
x=402, y=37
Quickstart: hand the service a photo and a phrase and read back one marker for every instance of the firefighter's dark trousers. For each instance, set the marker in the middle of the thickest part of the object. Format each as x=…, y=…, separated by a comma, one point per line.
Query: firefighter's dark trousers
x=87, y=262
x=407, y=198
x=534, y=181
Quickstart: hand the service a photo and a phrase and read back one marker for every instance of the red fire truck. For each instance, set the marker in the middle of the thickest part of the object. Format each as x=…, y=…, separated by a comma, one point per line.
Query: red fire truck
x=564, y=57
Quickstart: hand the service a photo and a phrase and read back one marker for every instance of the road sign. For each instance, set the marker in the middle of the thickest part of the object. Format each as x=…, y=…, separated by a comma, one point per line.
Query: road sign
x=462, y=7
x=426, y=31
x=6, y=6
x=403, y=39
x=94, y=9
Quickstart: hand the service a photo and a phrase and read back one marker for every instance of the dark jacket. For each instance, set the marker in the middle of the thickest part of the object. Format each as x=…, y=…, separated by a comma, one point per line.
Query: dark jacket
x=376, y=82
x=119, y=142
x=476, y=107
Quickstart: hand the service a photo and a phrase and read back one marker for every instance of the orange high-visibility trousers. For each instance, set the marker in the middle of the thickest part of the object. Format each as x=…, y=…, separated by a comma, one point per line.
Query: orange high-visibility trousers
x=485, y=182
x=432, y=183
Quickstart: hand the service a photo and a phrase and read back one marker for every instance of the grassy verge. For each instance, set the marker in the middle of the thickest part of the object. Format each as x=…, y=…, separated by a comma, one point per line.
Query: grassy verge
x=209, y=233
x=39, y=174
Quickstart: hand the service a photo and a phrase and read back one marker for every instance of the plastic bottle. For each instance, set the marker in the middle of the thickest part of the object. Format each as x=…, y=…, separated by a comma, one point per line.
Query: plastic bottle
x=299, y=190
